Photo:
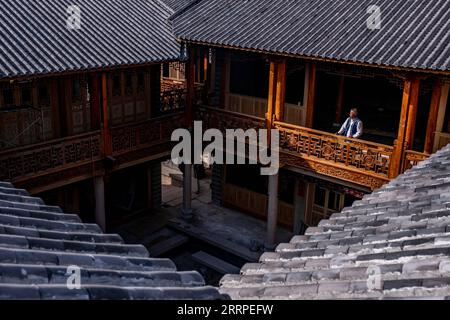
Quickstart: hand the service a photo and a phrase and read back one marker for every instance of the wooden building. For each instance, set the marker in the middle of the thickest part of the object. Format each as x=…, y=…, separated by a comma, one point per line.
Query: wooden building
x=299, y=68
x=82, y=118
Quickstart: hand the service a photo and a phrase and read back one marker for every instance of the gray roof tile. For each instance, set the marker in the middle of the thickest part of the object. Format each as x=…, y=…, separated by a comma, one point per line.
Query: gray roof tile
x=414, y=33
x=35, y=39
x=411, y=255
x=38, y=243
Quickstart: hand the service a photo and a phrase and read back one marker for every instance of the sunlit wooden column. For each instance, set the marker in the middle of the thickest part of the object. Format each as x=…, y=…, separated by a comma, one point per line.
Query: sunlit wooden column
x=272, y=212
x=271, y=99
x=311, y=94
x=432, y=117
x=99, y=192
x=395, y=161
x=406, y=125
x=412, y=113
x=280, y=90
x=442, y=110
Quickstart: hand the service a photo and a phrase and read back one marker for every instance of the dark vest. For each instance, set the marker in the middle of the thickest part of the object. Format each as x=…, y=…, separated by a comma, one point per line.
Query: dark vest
x=354, y=127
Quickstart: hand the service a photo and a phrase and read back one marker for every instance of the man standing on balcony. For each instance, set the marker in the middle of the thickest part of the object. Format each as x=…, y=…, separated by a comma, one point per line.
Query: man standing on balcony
x=352, y=127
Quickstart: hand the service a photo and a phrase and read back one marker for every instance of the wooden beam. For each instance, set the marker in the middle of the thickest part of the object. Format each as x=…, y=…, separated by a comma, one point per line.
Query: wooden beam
x=106, y=131
x=432, y=117
x=311, y=95
x=442, y=107
x=395, y=161
x=96, y=113
x=412, y=113
x=340, y=100
x=225, y=79
x=280, y=90
x=272, y=94
x=55, y=107
x=309, y=197
x=190, y=82
x=63, y=93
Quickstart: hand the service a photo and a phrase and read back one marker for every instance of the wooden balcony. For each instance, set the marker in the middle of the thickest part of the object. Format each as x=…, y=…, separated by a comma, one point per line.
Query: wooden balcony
x=353, y=160
x=55, y=163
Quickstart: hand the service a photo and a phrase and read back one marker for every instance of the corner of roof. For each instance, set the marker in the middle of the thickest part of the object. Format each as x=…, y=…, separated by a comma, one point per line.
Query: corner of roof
x=165, y=6
x=183, y=10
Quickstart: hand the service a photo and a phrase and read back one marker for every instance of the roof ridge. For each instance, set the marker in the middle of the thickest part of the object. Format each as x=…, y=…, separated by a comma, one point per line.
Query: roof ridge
x=186, y=8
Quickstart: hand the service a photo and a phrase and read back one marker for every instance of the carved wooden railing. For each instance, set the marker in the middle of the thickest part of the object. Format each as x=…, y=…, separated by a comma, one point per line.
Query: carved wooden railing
x=441, y=139
x=143, y=134
x=360, y=155
x=50, y=156
x=173, y=98
x=358, y=161
x=411, y=158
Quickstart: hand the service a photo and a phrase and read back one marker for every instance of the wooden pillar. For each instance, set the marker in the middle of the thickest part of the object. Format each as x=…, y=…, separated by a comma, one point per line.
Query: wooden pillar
x=186, y=209
x=412, y=113
x=311, y=95
x=299, y=206
x=212, y=73
x=225, y=80
x=310, y=197
x=442, y=110
x=190, y=81
x=271, y=99
x=55, y=105
x=95, y=103
x=106, y=131
x=272, y=212
x=280, y=90
x=63, y=105
x=149, y=187
x=442, y=107
x=407, y=124
x=432, y=117
x=340, y=100
x=99, y=191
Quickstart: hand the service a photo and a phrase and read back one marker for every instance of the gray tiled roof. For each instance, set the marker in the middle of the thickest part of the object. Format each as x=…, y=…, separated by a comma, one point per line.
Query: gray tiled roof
x=413, y=34
x=401, y=232
x=39, y=242
x=176, y=5
x=34, y=38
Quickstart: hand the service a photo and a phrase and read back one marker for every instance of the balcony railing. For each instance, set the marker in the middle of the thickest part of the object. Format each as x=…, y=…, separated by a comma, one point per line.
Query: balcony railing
x=411, y=158
x=50, y=156
x=354, y=160
x=143, y=134
x=360, y=155
x=71, y=157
